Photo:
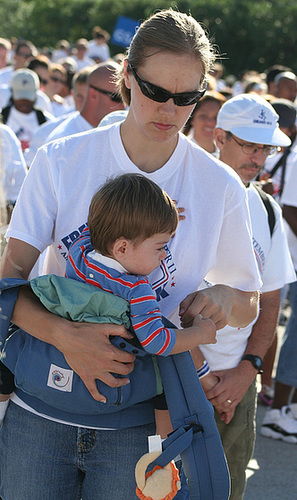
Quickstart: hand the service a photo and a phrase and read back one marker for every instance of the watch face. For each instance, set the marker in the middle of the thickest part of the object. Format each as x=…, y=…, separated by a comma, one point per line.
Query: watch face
x=258, y=362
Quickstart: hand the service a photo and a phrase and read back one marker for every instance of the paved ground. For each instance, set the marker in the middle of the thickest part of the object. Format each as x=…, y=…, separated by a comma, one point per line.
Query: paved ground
x=272, y=473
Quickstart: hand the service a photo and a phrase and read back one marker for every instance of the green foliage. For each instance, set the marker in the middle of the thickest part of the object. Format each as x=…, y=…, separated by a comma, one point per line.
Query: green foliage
x=250, y=34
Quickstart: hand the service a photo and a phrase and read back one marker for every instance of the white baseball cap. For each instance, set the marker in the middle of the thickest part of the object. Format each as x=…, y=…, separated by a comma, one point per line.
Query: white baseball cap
x=24, y=84
x=251, y=118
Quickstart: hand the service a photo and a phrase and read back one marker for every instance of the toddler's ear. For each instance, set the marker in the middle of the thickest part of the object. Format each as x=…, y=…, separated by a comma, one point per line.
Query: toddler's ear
x=120, y=248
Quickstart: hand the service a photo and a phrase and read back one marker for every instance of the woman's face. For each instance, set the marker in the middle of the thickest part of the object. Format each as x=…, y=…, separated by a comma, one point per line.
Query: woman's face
x=159, y=121
x=205, y=119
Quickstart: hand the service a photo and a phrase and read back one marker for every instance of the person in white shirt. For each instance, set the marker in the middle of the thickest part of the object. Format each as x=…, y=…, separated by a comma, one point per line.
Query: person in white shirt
x=12, y=168
x=161, y=80
x=80, y=56
x=102, y=98
x=98, y=48
x=22, y=116
x=247, y=132
x=23, y=53
x=280, y=422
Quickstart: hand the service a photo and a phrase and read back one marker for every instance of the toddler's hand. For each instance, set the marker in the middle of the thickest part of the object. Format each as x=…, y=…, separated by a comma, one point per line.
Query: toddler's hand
x=207, y=330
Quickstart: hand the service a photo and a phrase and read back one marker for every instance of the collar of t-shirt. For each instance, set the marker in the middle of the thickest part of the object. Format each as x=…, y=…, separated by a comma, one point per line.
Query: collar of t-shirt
x=107, y=261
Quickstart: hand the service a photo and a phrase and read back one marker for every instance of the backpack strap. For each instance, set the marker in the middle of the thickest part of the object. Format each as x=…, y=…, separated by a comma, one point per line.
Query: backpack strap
x=195, y=434
x=5, y=113
x=268, y=205
x=40, y=116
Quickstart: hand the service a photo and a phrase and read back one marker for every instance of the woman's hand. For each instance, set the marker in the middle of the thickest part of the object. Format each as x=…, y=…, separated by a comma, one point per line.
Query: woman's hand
x=89, y=352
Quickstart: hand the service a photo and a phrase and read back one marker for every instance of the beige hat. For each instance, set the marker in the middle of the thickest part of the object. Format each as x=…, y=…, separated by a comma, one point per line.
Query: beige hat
x=24, y=84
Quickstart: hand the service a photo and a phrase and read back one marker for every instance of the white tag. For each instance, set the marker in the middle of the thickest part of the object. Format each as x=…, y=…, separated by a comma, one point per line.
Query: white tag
x=60, y=378
x=155, y=443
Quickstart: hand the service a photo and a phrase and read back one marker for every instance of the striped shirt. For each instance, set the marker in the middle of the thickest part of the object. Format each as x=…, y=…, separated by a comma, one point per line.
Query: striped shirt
x=145, y=314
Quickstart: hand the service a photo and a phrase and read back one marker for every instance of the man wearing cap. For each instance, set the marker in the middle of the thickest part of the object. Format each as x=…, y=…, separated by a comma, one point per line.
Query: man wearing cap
x=21, y=116
x=247, y=132
x=276, y=168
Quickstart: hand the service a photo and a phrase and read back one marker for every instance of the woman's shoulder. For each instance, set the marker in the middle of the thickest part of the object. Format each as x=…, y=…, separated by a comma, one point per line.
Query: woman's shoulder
x=206, y=164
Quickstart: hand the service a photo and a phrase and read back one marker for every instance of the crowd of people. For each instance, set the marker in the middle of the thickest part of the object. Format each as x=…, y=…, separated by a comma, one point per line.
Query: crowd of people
x=225, y=151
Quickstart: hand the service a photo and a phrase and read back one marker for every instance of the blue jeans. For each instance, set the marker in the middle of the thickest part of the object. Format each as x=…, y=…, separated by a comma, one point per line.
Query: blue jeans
x=287, y=364
x=45, y=460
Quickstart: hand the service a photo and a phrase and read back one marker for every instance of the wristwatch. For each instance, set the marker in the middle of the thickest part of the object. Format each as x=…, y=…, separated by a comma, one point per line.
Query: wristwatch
x=255, y=360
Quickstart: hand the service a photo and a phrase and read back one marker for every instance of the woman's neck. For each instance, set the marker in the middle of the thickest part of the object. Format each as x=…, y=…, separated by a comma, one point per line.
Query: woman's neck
x=147, y=155
x=206, y=143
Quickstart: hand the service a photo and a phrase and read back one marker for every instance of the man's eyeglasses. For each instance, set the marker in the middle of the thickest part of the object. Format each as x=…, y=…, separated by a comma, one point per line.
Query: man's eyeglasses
x=158, y=94
x=252, y=149
x=112, y=95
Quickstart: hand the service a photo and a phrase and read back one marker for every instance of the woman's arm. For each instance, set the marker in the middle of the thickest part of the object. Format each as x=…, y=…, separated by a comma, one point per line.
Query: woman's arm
x=86, y=346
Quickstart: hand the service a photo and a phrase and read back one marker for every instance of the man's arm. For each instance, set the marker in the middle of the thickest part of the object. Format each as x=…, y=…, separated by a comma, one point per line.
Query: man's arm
x=221, y=303
x=234, y=383
x=86, y=346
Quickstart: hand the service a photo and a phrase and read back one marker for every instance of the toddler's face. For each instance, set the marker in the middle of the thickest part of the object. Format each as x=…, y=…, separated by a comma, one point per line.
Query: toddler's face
x=144, y=257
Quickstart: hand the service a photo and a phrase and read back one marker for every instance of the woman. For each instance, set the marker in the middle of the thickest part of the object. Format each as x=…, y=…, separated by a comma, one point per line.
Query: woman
x=162, y=79
x=202, y=122
x=53, y=88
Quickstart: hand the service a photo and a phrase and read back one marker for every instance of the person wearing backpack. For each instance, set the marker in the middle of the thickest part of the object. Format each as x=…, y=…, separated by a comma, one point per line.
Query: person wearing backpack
x=20, y=114
x=247, y=132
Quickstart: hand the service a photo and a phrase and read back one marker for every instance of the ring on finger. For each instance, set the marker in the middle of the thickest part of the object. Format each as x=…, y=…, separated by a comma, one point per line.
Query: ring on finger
x=229, y=401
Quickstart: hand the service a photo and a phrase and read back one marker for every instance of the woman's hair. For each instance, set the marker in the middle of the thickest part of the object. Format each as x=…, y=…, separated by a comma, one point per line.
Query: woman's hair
x=129, y=206
x=168, y=31
x=209, y=96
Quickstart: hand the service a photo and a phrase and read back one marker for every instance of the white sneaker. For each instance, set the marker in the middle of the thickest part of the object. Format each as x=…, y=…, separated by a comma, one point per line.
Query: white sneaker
x=293, y=408
x=280, y=424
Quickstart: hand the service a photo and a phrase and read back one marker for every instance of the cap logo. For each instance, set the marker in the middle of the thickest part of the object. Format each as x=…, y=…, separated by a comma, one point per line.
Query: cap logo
x=24, y=82
x=262, y=119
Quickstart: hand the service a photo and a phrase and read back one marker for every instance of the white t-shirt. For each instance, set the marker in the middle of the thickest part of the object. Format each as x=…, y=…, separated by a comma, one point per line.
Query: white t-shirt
x=6, y=75
x=42, y=133
x=24, y=125
x=276, y=179
x=276, y=269
x=72, y=125
x=66, y=173
x=12, y=164
x=289, y=197
x=98, y=50
x=83, y=63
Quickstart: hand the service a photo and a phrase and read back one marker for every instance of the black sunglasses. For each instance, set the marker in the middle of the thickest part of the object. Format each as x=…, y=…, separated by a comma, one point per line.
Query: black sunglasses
x=161, y=95
x=112, y=95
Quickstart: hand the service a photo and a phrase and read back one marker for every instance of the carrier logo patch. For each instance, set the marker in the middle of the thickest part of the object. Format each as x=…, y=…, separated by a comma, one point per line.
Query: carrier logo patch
x=60, y=378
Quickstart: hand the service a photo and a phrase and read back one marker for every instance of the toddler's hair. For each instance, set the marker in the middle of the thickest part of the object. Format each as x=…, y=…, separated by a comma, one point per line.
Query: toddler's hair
x=129, y=206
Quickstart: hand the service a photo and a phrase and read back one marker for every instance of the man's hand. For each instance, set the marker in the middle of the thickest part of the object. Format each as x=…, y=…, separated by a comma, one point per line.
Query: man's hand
x=232, y=386
x=214, y=303
x=222, y=304
x=89, y=352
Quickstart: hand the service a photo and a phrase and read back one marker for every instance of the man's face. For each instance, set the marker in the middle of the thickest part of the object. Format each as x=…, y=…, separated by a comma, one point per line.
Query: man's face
x=247, y=166
x=286, y=89
x=23, y=105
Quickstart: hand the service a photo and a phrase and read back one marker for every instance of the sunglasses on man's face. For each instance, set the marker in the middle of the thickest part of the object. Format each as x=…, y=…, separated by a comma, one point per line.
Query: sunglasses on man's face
x=161, y=95
x=112, y=95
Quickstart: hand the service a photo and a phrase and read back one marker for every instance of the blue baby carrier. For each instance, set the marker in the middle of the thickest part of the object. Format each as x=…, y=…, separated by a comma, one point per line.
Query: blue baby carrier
x=195, y=435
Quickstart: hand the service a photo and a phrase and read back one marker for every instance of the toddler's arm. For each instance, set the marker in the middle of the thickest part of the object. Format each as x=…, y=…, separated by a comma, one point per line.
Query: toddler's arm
x=203, y=331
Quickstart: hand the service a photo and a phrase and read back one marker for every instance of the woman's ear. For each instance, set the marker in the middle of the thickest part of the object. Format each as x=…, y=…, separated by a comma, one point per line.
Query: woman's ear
x=127, y=74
